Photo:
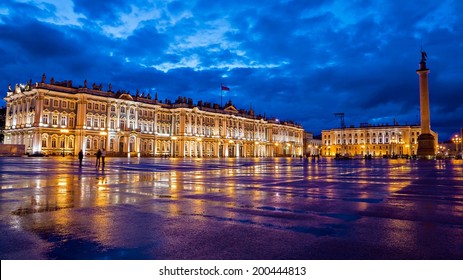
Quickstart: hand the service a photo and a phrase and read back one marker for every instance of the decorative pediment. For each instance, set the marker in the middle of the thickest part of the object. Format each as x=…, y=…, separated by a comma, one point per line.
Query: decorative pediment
x=231, y=108
x=125, y=96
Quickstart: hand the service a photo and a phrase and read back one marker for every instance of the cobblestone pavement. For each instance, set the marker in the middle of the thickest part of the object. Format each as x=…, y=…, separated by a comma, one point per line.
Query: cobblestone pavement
x=283, y=208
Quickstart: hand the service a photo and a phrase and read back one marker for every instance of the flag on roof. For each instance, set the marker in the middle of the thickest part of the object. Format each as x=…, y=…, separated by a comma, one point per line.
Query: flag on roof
x=225, y=87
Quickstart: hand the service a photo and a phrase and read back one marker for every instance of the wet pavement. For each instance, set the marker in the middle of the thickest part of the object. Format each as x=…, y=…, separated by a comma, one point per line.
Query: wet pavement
x=281, y=208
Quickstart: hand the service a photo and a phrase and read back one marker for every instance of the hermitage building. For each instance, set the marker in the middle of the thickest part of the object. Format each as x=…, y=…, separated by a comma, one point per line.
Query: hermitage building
x=56, y=118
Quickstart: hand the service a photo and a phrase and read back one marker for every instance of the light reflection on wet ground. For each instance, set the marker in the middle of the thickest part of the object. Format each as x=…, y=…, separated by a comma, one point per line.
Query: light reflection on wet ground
x=230, y=209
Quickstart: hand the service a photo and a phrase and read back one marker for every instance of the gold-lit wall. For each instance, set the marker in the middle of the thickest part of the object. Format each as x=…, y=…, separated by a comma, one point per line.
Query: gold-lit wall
x=59, y=119
x=377, y=141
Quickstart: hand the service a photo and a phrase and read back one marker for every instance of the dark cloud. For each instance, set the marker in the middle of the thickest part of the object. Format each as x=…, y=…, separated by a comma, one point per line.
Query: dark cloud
x=298, y=60
x=103, y=10
x=36, y=39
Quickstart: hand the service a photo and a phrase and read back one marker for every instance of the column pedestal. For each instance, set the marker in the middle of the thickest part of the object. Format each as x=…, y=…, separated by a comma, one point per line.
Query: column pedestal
x=426, y=146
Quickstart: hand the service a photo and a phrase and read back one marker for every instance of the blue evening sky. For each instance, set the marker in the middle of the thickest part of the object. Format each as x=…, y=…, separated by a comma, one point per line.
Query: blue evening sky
x=294, y=60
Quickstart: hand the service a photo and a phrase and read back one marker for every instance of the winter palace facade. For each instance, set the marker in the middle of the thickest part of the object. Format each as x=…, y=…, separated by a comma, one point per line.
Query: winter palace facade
x=56, y=118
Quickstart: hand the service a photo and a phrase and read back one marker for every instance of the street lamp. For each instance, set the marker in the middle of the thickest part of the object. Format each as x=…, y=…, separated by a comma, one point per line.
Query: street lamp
x=64, y=138
x=457, y=140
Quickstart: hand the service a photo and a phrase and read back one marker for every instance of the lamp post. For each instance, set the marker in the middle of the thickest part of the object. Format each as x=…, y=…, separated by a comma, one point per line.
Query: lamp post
x=457, y=140
x=64, y=131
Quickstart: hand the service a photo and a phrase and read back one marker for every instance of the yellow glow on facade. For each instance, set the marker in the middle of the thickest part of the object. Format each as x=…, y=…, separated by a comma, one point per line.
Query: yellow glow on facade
x=92, y=120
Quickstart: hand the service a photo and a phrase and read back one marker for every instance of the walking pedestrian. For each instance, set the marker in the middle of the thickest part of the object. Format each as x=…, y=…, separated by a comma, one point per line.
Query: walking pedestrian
x=81, y=157
x=103, y=155
x=98, y=156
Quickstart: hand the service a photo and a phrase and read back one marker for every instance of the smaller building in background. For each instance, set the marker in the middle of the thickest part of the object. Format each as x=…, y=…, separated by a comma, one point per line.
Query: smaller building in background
x=312, y=144
x=372, y=140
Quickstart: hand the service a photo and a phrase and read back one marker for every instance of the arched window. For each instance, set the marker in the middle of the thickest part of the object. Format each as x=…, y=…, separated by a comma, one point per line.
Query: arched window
x=44, y=141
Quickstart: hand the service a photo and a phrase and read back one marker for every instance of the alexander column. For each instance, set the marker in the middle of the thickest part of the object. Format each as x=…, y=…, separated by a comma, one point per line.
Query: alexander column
x=426, y=141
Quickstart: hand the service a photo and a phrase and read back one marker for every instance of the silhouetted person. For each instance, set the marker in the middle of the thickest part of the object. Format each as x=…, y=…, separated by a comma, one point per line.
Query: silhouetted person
x=81, y=157
x=98, y=157
x=103, y=155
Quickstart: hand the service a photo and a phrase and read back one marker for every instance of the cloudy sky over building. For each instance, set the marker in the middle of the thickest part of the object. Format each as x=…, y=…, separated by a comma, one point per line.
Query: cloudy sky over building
x=295, y=60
